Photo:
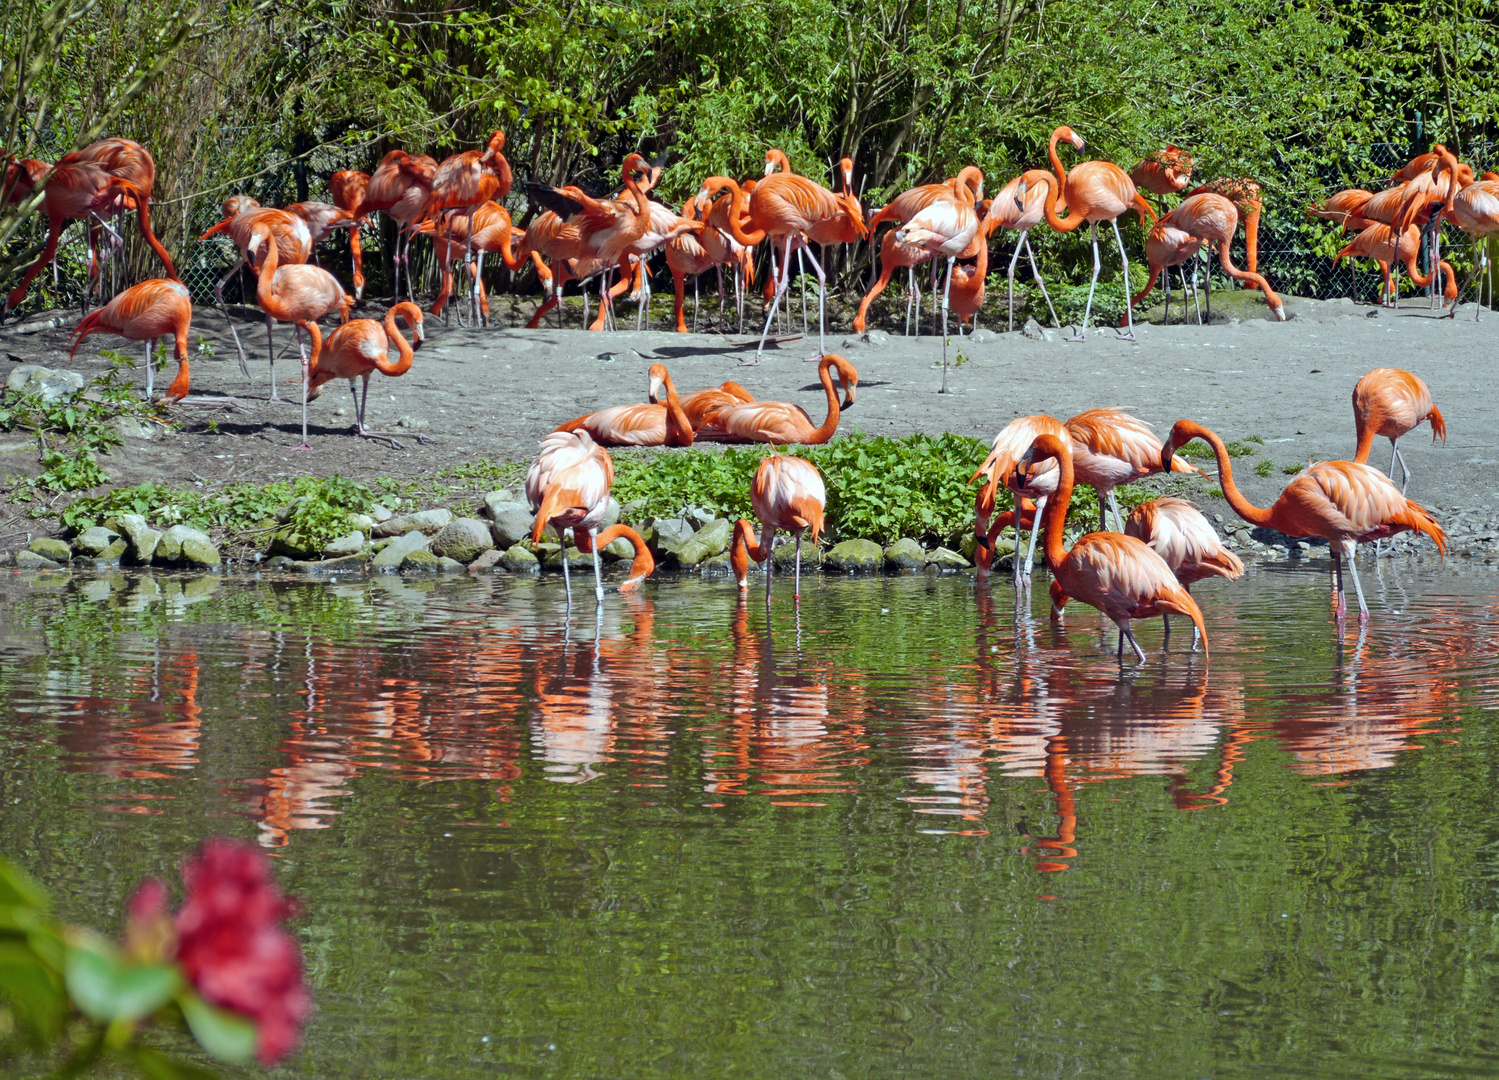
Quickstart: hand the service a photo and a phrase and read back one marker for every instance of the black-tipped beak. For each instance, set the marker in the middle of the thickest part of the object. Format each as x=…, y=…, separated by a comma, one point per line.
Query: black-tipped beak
x=1167, y=453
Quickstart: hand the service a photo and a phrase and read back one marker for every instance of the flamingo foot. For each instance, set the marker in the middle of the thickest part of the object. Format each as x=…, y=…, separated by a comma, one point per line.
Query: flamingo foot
x=750, y=363
x=1125, y=337
x=1077, y=337
x=277, y=399
x=304, y=446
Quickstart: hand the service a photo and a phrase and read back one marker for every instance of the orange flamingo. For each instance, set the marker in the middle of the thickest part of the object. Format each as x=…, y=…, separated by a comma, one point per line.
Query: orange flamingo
x=1110, y=448
x=1474, y=208
x=690, y=254
x=100, y=181
x=1244, y=193
x=1345, y=207
x=983, y=552
x=945, y=226
x=702, y=406
x=784, y=204
x=467, y=180
x=967, y=290
x=1094, y=191
x=146, y=312
x=322, y=218
x=1164, y=172
x=1119, y=575
x=663, y=226
x=359, y=348
x=781, y=422
x=1390, y=402
x=568, y=487
x=1166, y=246
x=299, y=294
x=1179, y=533
x=1343, y=502
x=22, y=175
x=1380, y=243
x=787, y=493
x=1214, y=218
x=998, y=470
x=348, y=187
x=400, y=187
x=458, y=235
x=649, y=424
x=1021, y=205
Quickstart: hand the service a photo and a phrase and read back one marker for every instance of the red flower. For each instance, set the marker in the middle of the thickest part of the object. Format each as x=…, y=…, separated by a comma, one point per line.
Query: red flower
x=233, y=949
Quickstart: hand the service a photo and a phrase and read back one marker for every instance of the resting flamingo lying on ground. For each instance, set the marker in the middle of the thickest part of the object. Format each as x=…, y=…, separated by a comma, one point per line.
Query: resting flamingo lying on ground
x=1119, y=575
x=646, y=424
x=1343, y=502
x=568, y=487
x=1390, y=402
x=146, y=312
x=787, y=493
x=702, y=406
x=781, y=422
x=361, y=347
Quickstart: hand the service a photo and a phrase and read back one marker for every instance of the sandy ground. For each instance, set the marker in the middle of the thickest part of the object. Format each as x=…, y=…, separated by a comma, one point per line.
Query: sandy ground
x=495, y=392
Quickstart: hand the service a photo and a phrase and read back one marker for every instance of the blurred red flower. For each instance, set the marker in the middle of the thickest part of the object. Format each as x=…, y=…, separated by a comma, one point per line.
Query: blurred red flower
x=232, y=947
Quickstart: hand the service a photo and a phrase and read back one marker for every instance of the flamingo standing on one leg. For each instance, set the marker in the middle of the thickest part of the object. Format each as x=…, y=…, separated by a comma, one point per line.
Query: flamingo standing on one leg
x=1021, y=205
x=1214, y=218
x=1109, y=448
x=1179, y=533
x=1390, y=402
x=359, y=348
x=649, y=424
x=945, y=227
x=781, y=422
x=349, y=187
x=146, y=312
x=568, y=487
x=1473, y=208
x=787, y=493
x=1119, y=575
x=1343, y=502
x=1094, y=191
x=299, y=294
x=1244, y=193
x=998, y=470
x=400, y=187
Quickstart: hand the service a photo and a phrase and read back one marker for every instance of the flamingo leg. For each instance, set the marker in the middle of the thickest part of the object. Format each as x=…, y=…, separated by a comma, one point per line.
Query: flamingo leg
x=306, y=387
x=1082, y=334
x=769, y=546
x=1340, y=607
x=822, y=288
x=218, y=294
x=567, y=578
x=913, y=296
x=1129, y=311
x=946, y=289
x=150, y=371
x=479, y=315
x=801, y=272
x=1129, y=634
x=797, y=593
x=781, y=285
x=1013, y=260
x=1166, y=637
x=1031, y=256
x=1030, y=552
x=1118, y=520
x=1195, y=303
x=598, y=576
x=1358, y=588
x=1405, y=472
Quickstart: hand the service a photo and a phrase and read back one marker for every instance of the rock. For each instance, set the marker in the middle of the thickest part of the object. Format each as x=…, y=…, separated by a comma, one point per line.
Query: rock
x=352, y=544
x=347, y=564
x=696, y=516
x=429, y=522
x=488, y=561
x=853, y=556
x=712, y=539
x=131, y=428
x=945, y=559
x=497, y=502
x=663, y=534
x=519, y=561
x=512, y=525
x=784, y=556
x=279, y=562
x=618, y=548
x=289, y=511
x=413, y=423
x=719, y=563
x=94, y=541
x=630, y=512
x=463, y=539
x=30, y=560
x=875, y=337
x=363, y=522
x=420, y=560
x=46, y=383
x=450, y=566
x=1032, y=329
x=112, y=555
x=394, y=553
x=379, y=513
x=611, y=515
x=56, y=551
x=7, y=559
x=905, y=554
x=982, y=336
x=294, y=544
x=576, y=560
x=184, y=544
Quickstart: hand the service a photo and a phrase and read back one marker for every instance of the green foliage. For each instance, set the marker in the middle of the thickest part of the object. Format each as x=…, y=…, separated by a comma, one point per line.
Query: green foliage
x=1203, y=452
x=1264, y=468
x=1293, y=468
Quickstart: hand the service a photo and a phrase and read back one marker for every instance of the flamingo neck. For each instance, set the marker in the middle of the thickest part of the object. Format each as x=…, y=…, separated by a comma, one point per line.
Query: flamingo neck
x=398, y=339
x=1054, y=191
x=1055, y=520
x=265, y=285
x=678, y=426
x=738, y=208
x=1241, y=506
x=830, y=425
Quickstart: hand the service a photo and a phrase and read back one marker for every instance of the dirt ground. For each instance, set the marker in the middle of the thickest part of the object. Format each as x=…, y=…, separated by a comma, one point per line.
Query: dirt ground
x=495, y=392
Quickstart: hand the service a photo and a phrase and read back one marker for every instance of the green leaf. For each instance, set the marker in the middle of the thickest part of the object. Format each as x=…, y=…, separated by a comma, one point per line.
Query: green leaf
x=225, y=1035
x=158, y=1066
x=106, y=989
x=33, y=989
x=18, y=888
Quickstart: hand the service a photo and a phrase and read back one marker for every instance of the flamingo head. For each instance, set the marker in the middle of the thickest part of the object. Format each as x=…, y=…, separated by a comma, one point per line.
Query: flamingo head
x=495, y=145
x=633, y=165
x=776, y=159
x=657, y=376
x=846, y=173
x=418, y=331
x=1065, y=132
x=972, y=177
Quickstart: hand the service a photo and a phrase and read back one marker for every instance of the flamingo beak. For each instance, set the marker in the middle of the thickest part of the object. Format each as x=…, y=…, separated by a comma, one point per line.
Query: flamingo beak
x=769, y=167
x=1168, y=451
x=1077, y=141
x=1020, y=196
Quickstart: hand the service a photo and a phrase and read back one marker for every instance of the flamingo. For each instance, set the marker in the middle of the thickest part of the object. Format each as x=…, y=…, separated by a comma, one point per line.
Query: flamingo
x=1344, y=502
x=568, y=487
x=1021, y=205
x=1244, y=193
x=983, y=552
x=894, y=254
x=967, y=290
x=1094, y=191
x=702, y=406
x=348, y=187
x=650, y=424
x=662, y=228
x=457, y=235
x=359, y=348
x=781, y=422
x=690, y=254
x=1164, y=172
x=717, y=217
x=1119, y=575
x=322, y=218
x=1390, y=402
x=298, y=294
x=1473, y=208
x=1345, y=207
x=1109, y=448
x=400, y=187
x=998, y=470
x=1380, y=243
x=467, y=180
x=99, y=181
x=146, y=312
x=1179, y=533
x=1214, y=218
x=22, y=175
x=784, y=204
x=946, y=226
x=787, y=493
x=1166, y=246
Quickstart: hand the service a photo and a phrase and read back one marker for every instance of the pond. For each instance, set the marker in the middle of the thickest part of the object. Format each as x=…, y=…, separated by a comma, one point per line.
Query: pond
x=908, y=830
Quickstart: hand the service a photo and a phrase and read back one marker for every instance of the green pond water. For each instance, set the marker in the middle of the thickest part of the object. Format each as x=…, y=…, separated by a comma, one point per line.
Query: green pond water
x=905, y=833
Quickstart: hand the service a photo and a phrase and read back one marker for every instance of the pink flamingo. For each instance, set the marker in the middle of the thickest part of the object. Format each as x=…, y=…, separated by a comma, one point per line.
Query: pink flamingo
x=1021, y=205
x=146, y=312
x=781, y=422
x=401, y=187
x=359, y=348
x=649, y=424
x=1391, y=402
x=348, y=187
x=1474, y=208
x=1214, y=218
x=1110, y=448
x=946, y=226
x=998, y=470
x=787, y=493
x=1177, y=532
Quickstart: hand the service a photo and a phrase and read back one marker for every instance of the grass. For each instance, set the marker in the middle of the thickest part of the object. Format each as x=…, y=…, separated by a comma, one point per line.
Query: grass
x=1236, y=449
x=1264, y=468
